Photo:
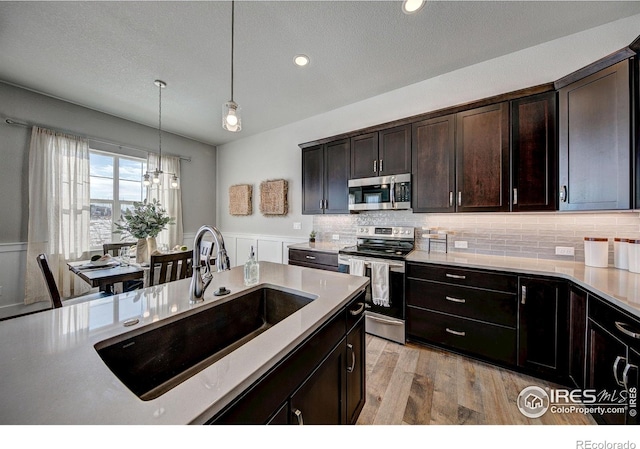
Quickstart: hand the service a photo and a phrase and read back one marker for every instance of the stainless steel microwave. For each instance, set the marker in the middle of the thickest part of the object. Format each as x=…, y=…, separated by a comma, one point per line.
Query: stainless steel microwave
x=380, y=193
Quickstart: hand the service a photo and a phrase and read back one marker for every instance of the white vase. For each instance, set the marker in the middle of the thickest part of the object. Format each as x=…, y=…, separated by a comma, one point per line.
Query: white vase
x=152, y=246
x=142, y=255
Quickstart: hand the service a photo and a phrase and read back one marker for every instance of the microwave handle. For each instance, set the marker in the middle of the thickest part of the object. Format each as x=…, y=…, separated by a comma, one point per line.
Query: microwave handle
x=393, y=192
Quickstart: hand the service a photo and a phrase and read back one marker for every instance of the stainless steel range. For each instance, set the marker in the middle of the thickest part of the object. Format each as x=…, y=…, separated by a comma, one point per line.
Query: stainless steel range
x=382, y=250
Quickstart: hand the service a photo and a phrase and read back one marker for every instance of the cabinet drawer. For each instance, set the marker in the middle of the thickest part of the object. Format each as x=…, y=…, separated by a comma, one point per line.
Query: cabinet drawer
x=460, y=276
x=354, y=312
x=484, y=305
x=622, y=325
x=314, y=257
x=487, y=341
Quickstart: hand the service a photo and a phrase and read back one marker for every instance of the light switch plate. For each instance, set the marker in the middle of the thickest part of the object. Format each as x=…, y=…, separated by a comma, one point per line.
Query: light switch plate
x=297, y=225
x=460, y=244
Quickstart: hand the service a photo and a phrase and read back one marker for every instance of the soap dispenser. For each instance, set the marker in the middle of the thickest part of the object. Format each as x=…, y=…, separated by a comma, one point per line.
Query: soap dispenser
x=251, y=270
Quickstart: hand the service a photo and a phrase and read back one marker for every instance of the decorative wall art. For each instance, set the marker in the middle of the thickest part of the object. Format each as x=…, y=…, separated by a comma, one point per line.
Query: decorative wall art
x=273, y=197
x=240, y=199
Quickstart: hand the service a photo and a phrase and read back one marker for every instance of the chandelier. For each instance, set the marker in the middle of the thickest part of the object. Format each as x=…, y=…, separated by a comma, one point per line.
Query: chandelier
x=155, y=177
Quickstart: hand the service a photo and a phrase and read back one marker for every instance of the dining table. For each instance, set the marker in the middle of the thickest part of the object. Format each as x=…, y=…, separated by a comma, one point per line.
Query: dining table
x=105, y=276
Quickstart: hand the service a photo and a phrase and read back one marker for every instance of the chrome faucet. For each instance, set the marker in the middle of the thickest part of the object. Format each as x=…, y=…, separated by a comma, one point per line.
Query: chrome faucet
x=200, y=282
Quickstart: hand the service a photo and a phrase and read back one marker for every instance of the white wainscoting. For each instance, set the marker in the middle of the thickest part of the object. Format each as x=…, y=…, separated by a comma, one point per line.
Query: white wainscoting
x=13, y=261
x=267, y=248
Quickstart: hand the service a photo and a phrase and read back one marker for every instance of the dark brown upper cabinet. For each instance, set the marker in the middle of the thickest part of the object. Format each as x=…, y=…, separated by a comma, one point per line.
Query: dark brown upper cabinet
x=595, y=141
x=482, y=159
x=325, y=174
x=534, y=153
x=433, y=152
x=461, y=161
x=381, y=153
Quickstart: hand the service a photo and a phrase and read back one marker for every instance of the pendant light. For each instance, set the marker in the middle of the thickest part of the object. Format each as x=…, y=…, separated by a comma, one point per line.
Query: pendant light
x=155, y=177
x=231, y=120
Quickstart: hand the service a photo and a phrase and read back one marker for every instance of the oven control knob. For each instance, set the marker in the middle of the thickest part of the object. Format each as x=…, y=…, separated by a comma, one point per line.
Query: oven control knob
x=395, y=231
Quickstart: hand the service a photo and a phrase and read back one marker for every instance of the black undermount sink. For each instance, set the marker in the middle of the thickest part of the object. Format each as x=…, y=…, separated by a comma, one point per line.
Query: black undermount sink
x=151, y=363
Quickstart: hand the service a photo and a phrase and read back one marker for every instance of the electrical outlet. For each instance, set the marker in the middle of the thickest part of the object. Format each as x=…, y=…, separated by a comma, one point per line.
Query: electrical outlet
x=335, y=237
x=297, y=225
x=564, y=251
x=460, y=244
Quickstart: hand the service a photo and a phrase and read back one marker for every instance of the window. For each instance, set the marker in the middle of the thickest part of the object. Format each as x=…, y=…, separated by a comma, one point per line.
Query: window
x=115, y=183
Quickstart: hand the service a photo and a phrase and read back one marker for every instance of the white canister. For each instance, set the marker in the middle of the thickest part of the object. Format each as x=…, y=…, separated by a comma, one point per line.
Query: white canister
x=596, y=252
x=621, y=253
x=634, y=256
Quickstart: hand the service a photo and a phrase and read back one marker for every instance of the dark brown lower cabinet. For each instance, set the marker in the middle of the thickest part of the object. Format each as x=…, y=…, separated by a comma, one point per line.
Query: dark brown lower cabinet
x=577, y=335
x=542, y=331
x=356, y=371
x=319, y=382
x=319, y=398
x=613, y=346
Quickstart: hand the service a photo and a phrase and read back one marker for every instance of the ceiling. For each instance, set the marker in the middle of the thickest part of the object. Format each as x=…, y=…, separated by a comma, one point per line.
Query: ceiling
x=106, y=55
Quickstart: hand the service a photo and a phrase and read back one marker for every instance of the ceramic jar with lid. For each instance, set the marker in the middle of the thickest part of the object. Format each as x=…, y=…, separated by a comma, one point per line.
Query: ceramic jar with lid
x=634, y=255
x=621, y=253
x=596, y=252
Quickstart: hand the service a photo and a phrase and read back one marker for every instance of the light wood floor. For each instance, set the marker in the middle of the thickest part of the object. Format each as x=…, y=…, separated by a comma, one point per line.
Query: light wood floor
x=414, y=384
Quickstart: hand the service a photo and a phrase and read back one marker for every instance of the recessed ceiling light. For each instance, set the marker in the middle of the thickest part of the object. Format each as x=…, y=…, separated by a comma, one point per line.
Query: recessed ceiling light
x=412, y=6
x=301, y=60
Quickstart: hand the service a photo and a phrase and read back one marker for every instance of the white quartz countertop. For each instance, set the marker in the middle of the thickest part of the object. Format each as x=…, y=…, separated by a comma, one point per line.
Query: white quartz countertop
x=51, y=374
x=620, y=287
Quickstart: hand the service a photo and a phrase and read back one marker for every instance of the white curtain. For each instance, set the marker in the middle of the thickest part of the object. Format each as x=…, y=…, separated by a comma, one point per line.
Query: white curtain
x=170, y=199
x=59, y=209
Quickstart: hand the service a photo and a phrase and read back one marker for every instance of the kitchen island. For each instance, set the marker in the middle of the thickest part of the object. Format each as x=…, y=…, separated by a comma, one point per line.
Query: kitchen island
x=52, y=374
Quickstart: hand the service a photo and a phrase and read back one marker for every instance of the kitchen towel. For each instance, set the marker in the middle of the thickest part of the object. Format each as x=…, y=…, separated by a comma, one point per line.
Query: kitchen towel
x=356, y=267
x=380, y=283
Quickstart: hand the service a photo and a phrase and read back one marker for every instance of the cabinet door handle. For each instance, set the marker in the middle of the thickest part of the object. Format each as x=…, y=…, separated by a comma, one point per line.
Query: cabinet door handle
x=515, y=196
x=455, y=276
x=298, y=415
x=523, y=296
x=450, y=198
x=359, y=311
x=625, y=375
x=615, y=369
x=563, y=194
x=353, y=358
x=310, y=257
x=621, y=327
x=458, y=333
x=375, y=166
x=459, y=198
x=381, y=165
x=452, y=299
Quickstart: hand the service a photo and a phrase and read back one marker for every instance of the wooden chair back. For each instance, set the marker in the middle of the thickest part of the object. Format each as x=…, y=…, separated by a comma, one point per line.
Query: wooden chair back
x=171, y=267
x=52, y=287
x=206, y=248
x=114, y=248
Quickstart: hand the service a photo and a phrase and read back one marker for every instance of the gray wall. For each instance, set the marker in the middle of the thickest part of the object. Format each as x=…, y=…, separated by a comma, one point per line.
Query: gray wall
x=275, y=154
x=197, y=177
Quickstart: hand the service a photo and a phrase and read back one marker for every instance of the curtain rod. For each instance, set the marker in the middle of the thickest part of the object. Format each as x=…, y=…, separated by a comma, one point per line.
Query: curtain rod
x=10, y=121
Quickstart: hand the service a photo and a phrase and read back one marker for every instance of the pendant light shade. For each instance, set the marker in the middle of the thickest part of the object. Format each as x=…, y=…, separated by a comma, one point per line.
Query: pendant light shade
x=231, y=120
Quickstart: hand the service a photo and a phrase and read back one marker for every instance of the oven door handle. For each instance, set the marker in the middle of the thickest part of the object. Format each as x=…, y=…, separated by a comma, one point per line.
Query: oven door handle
x=383, y=321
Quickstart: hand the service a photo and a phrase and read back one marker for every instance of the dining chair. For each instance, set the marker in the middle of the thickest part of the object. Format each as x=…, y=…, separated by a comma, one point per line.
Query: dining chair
x=113, y=248
x=206, y=251
x=171, y=267
x=52, y=287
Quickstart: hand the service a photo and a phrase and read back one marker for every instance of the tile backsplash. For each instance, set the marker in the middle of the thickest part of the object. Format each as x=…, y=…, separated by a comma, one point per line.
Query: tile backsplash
x=534, y=235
